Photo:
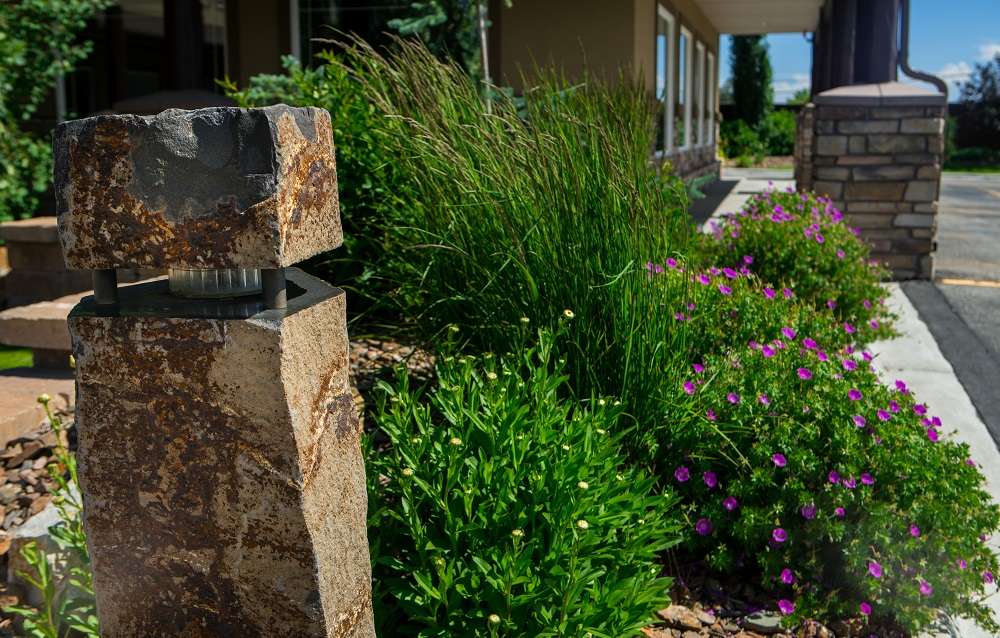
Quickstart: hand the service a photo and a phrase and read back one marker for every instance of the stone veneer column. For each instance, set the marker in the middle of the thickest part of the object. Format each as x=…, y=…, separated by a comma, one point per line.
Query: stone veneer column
x=876, y=151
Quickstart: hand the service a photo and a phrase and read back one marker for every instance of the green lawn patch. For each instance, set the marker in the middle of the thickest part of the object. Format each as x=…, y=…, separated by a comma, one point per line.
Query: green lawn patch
x=11, y=357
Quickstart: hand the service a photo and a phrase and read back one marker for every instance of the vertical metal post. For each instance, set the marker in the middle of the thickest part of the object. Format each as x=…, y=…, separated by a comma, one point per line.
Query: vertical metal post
x=106, y=286
x=275, y=291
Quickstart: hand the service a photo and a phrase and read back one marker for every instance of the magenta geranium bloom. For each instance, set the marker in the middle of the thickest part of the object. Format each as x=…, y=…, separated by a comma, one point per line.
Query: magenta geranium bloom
x=710, y=478
x=932, y=434
x=710, y=414
x=854, y=394
x=704, y=279
x=963, y=564
x=724, y=289
x=730, y=503
x=764, y=399
x=988, y=577
x=787, y=292
x=850, y=483
x=865, y=608
x=867, y=478
x=767, y=351
x=805, y=374
x=848, y=328
x=920, y=409
x=703, y=527
x=769, y=293
x=698, y=368
x=914, y=531
x=779, y=535
x=850, y=364
x=900, y=386
x=874, y=569
x=787, y=576
x=925, y=588
x=788, y=332
x=682, y=474
x=779, y=459
x=730, y=273
x=859, y=420
x=883, y=415
x=689, y=387
x=833, y=476
x=808, y=511
x=840, y=512
x=733, y=398
x=809, y=343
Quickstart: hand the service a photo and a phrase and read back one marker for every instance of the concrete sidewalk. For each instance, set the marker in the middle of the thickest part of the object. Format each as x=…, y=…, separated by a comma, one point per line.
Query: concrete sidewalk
x=916, y=358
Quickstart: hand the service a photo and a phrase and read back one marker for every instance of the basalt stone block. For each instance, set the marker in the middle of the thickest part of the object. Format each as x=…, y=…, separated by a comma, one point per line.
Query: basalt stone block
x=212, y=188
x=223, y=484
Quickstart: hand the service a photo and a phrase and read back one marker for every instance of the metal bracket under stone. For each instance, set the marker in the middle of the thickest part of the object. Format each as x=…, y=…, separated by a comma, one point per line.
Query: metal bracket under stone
x=274, y=288
x=106, y=286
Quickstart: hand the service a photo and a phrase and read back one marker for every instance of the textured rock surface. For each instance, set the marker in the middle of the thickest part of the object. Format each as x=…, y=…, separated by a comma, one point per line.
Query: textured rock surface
x=224, y=490
x=212, y=188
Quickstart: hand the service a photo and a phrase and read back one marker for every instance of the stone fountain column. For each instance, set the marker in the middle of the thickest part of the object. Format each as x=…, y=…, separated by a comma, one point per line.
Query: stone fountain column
x=223, y=486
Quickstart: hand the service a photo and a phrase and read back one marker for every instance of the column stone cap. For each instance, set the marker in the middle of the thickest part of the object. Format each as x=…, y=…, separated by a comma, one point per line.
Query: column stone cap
x=882, y=94
x=219, y=187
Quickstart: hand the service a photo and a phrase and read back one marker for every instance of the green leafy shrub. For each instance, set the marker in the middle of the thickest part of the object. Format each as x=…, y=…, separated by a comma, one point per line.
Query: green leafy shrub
x=800, y=241
x=777, y=132
x=38, y=43
x=843, y=490
x=500, y=509
x=739, y=140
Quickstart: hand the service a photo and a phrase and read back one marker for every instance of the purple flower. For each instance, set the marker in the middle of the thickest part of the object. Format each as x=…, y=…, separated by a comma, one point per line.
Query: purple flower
x=809, y=343
x=711, y=480
x=854, y=394
x=698, y=368
x=831, y=304
x=874, y=569
x=932, y=435
x=788, y=332
x=704, y=279
x=841, y=254
x=730, y=503
x=767, y=351
x=747, y=259
x=787, y=576
x=703, y=527
x=833, y=477
x=920, y=409
x=894, y=407
x=988, y=577
x=873, y=324
x=914, y=531
x=729, y=272
x=724, y=289
x=850, y=483
x=925, y=588
x=689, y=387
x=850, y=364
x=764, y=400
x=839, y=512
x=883, y=415
x=779, y=459
x=710, y=414
x=671, y=262
x=900, y=386
x=936, y=421
x=786, y=606
x=682, y=474
x=805, y=374
x=733, y=398
x=848, y=328
x=787, y=292
x=865, y=608
x=867, y=479
x=970, y=462
x=779, y=535
x=769, y=293
x=808, y=512
x=859, y=420
x=819, y=238
x=963, y=564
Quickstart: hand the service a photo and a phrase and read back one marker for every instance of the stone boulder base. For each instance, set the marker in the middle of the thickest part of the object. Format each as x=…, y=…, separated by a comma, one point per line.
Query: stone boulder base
x=224, y=490
x=212, y=188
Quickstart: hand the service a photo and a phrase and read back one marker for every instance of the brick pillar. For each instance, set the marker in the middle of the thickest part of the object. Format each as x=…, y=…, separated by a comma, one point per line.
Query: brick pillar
x=877, y=153
x=804, y=134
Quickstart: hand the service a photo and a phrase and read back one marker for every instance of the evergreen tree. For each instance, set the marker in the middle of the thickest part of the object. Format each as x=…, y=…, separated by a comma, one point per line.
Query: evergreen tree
x=753, y=95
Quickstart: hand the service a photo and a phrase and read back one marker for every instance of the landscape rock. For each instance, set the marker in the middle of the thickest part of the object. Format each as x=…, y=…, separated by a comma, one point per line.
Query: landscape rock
x=679, y=617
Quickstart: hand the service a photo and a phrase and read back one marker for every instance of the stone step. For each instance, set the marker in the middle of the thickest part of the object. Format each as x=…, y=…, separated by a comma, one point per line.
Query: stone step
x=20, y=412
x=40, y=325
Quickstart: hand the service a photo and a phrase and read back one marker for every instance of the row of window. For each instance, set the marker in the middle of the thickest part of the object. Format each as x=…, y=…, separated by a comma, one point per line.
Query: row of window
x=685, y=87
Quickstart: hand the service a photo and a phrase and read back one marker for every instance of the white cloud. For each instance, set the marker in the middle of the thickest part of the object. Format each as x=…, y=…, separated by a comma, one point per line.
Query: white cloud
x=785, y=86
x=988, y=51
x=955, y=72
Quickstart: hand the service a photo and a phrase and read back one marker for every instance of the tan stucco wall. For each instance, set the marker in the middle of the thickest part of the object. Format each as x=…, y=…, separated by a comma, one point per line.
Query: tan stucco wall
x=576, y=36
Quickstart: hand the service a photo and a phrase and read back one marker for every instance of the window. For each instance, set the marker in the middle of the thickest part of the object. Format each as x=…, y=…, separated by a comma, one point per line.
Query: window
x=665, y=80
x=710, y=100
x=682, y=121
x=698, y=98
x=316, y=25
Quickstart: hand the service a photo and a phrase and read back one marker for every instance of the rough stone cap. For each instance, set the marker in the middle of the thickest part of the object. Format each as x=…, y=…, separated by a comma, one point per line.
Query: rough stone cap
x=882, y=94
x=219, y=187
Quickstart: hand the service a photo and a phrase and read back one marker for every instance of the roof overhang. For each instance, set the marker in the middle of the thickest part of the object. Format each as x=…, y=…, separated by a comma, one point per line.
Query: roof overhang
x=751, y=17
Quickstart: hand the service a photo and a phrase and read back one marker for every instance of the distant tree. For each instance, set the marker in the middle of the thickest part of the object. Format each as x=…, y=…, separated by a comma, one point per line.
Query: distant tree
x=38, y=43
x=979, y=122
x=753, y=96
x=726, y=92
x=802, y=96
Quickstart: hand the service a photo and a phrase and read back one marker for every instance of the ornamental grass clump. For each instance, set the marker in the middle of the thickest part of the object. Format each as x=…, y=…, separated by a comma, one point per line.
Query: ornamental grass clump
x=845, y=491
x=802, y=242
x=500, y=509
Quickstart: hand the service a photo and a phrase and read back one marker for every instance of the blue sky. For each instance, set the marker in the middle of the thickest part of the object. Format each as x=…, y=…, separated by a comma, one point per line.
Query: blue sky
x=947, y=38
